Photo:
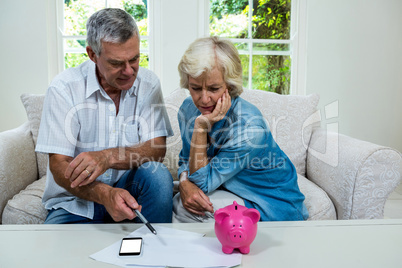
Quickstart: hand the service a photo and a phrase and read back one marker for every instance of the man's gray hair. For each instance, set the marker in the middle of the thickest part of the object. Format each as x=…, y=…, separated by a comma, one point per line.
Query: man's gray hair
x=110, y=25
x=204, y=54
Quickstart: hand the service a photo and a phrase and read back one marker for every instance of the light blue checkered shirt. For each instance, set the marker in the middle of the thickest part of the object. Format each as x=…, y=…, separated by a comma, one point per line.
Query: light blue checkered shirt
x=79, y=116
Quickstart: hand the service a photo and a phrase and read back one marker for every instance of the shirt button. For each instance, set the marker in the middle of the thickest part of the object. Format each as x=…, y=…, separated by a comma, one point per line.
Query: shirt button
x=111, y=107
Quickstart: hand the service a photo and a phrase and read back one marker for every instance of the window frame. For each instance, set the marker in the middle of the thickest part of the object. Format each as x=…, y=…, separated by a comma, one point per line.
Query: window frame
x=296, y=42
x=61, y=37
x=155, y=53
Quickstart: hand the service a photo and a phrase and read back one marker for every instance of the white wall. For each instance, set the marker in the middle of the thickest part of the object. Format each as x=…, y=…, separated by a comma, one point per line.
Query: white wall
x=354, y=56
x=178, y=27
x=23, y=54
x=353, y=47
x=28, y=49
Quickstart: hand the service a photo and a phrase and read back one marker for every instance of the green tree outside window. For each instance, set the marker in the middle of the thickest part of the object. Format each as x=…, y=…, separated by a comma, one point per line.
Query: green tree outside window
x=270, y=20
x=76, y=13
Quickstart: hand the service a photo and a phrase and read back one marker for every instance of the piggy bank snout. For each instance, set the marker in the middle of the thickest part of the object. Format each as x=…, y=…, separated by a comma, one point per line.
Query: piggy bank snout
x=237, y=236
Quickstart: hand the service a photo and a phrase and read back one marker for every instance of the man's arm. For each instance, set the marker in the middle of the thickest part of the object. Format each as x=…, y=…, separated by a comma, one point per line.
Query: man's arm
x=87, y=166
x=131, y=157
x=118, y=202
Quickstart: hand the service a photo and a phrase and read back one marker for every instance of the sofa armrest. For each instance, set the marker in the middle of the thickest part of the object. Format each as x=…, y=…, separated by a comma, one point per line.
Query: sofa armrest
x=358, y=176
x=18, y=167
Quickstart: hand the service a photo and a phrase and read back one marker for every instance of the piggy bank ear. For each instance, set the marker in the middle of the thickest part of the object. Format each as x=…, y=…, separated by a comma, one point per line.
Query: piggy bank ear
x=220, y=214
x=253, y=214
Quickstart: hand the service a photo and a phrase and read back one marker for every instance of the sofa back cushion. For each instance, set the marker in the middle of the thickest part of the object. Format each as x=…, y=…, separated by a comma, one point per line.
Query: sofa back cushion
x=33, y=104
x=288, y=117
x=173, y=102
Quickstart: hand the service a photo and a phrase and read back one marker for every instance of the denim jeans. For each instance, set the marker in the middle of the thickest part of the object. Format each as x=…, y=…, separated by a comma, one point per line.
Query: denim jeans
x=151, y=185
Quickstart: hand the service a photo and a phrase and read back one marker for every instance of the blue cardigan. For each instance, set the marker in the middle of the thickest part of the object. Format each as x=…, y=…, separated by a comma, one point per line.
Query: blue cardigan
x=245, y=160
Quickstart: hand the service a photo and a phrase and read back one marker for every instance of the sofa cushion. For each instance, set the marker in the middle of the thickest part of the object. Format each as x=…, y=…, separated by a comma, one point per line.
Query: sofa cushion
x=318, y=203
x=289, y=118
x=33, y=104
x=26, y=207
x=18, y=167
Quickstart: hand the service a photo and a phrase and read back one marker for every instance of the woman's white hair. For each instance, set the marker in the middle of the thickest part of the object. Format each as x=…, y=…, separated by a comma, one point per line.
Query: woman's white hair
x=204, y=54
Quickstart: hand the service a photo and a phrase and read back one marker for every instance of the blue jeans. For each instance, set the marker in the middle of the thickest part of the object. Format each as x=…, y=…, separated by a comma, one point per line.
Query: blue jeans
x=151, y=185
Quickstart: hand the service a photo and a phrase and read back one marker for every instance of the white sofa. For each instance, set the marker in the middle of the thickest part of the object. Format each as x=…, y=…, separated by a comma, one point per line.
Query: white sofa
x=341, y=177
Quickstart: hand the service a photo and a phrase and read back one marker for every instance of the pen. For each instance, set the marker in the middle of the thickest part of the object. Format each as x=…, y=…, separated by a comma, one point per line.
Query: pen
x=142, y=218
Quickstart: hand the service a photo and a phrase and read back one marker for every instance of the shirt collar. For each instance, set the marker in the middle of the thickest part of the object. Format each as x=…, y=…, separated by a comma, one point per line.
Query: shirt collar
x=134, y=89
x=93, y=83
x=92, y=80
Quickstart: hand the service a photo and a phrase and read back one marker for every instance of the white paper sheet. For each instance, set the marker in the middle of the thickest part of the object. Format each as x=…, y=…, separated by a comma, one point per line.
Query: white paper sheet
x=171, y=247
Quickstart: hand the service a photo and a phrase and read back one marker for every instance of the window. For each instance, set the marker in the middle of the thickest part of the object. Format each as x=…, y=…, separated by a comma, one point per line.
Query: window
x=73, y=31
x=270, y=39
x=261, y=31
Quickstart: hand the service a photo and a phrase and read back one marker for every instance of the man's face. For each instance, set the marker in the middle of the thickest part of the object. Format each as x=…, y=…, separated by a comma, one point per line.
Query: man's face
x=117, y=64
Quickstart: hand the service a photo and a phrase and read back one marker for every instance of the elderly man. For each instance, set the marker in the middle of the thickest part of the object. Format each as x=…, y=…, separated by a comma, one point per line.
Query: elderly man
x=104, y=127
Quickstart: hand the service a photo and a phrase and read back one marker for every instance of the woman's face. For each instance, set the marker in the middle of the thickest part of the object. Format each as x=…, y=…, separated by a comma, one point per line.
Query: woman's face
x=206, y=90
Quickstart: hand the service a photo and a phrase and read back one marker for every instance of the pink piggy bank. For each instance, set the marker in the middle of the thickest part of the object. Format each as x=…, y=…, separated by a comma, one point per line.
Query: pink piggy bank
x=236, y=227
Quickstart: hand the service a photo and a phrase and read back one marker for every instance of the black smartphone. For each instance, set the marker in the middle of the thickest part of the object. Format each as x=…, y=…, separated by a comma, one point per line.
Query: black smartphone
x=131, y=246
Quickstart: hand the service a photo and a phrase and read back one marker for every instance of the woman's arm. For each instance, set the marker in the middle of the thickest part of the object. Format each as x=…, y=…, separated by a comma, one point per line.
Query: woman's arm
x=244, y=149
x=204, y=123
x=193, y=198
x=198, y=149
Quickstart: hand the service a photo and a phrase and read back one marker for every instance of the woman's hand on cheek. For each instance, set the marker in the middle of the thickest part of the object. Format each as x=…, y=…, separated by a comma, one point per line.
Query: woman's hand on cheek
x=221, y=108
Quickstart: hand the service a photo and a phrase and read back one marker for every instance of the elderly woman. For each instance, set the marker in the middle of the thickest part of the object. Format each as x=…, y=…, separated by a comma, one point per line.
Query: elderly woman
x=228, y=152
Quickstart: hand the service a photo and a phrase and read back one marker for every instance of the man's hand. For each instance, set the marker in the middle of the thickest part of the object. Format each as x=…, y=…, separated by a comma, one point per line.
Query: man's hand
x=86, y=167
x=120, y=204
x=194, y=199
